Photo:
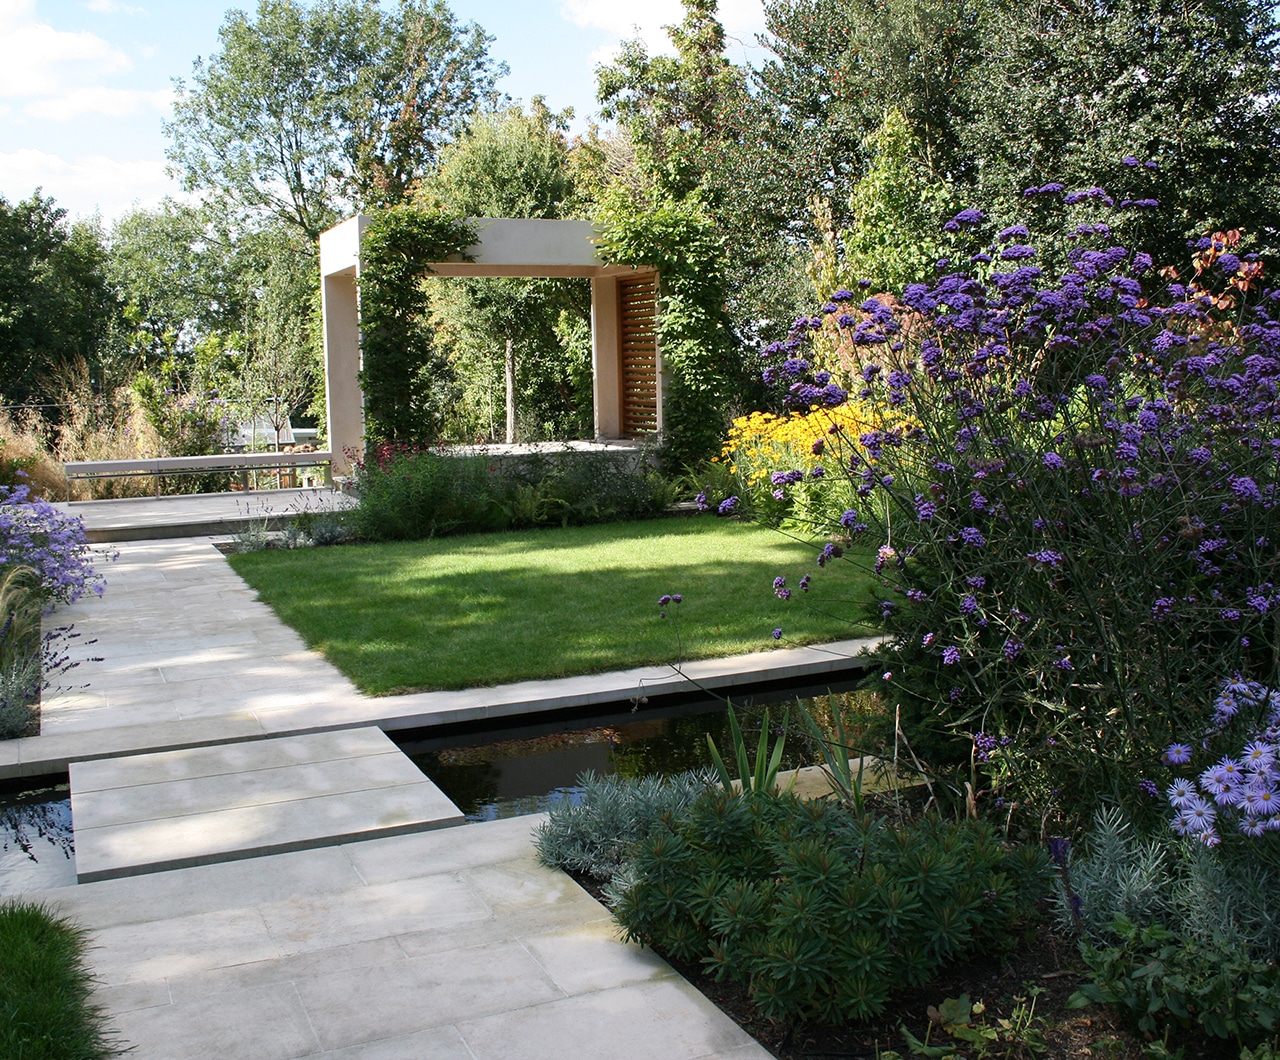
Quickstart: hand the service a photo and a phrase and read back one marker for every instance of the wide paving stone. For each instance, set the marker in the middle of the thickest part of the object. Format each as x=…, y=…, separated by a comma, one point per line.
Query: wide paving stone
x=446, y=945
x=200, y=805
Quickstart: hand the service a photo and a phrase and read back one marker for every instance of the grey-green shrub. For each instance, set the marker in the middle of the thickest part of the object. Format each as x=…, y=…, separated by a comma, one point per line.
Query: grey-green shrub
x=1120, y=875
x=596, y=836
x=1174, y=932
x=408, y=494
x=1197, y=892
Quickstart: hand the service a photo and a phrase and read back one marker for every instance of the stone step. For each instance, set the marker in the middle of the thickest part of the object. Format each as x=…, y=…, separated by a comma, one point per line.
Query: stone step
x=197, y=806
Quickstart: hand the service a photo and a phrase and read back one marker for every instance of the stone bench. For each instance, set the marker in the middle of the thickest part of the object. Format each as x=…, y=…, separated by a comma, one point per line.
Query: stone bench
x=159, y=466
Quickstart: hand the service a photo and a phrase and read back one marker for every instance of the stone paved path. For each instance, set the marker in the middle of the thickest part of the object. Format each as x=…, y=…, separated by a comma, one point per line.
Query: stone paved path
x=448, y=944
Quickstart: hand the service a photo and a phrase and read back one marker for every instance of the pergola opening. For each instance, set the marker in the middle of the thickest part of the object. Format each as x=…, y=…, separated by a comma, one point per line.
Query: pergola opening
x=626, y=363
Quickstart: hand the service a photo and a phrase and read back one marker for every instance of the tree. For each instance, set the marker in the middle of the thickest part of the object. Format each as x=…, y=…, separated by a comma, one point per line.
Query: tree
x=696, y=131
x=188, y=276
x=514, y=336
x=55, y=304
x=308, y=111
x=999, y=97
x=1192, y=87
x=176, y=279
x=896, y=213
x=839, y=66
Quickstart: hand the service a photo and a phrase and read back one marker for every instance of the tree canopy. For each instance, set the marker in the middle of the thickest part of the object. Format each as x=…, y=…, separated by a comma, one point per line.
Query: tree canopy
x=311, y=110
x=55, y=304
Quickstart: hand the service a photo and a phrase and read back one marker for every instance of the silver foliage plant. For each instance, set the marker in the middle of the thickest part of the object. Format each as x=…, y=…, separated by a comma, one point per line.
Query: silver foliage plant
x=1120, y=875
x=596, y=836
x=1194, y=891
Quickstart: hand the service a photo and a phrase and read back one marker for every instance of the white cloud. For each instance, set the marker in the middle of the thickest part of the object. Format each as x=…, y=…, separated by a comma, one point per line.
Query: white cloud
x=86, y=184
x=742, y=19
x=112, y=7
x=109, y=102
x=38, y=60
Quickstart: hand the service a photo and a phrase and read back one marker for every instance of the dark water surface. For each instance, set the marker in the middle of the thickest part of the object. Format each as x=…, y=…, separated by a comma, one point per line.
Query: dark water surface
x=37, y=849
x=527, y=771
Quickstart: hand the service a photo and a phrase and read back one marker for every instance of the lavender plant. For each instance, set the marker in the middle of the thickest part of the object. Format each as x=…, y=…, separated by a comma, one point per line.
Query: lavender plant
x=36, y=534
x=1072, y=492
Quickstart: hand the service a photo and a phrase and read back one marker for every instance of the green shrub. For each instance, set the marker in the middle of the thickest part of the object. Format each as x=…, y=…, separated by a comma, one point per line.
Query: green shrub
x=408, y=494
x=1165, y=981
x=817, y=910
x=1173, y=932
x=45, y=1007
x=597, y=835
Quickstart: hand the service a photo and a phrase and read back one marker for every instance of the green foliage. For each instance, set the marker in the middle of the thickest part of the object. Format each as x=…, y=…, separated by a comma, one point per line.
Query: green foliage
x=681, y=110
x=690, y=128
x=701, y=367
x=596, y=835
x=508, y=164
x=512, y=164
x=839, y=67
x=817, y=910
x=183, y=401
x=1174, y=932
x=763, y=776
x=55, y=305
x=307, y=111
x=896, y=213
x=1164, y=981
x=1192, y=86
x=400, y=358
x=46, y=1011
x=412, y=495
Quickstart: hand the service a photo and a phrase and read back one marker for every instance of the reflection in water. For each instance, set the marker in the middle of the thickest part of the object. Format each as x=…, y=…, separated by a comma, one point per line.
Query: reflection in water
x=512, y=778
x=37, y=846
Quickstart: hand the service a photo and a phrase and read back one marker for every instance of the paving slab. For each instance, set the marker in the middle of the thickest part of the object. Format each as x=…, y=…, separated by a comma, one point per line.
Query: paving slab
x=446, y=945
x=199, y=514
x=191, y=656
x=194, y=806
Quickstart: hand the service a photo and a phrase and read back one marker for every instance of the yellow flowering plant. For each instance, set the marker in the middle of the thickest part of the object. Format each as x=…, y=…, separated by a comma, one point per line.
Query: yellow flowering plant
x=779, y=462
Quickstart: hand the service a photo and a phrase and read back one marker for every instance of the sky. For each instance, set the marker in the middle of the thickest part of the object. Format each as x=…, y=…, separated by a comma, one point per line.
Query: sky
x=85, y=85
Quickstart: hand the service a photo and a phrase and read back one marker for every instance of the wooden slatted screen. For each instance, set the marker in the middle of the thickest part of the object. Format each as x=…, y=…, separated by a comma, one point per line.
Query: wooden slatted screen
x=637, y=335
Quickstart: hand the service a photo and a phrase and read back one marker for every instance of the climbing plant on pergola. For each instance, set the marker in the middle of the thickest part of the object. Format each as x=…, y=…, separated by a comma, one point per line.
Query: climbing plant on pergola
x=662, y=352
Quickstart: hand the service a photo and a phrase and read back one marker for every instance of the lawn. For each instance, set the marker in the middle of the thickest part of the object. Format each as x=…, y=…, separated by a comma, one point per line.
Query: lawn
x=489, y=609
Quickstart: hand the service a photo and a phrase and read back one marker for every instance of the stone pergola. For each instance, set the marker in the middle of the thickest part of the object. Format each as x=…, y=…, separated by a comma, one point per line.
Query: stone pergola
x=625, y=360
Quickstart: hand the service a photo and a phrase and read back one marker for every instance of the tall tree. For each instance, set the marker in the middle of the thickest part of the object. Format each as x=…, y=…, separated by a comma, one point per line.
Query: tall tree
x=999, y=96
x=308, y=111
x=55, y=304
x=518, y=337
x=696, y=129
x=1192, y=86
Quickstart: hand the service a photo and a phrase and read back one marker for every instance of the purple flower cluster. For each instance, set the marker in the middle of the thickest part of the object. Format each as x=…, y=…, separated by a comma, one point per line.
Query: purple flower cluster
x=1241, y=789
x=35, y=534
x=1081, y=465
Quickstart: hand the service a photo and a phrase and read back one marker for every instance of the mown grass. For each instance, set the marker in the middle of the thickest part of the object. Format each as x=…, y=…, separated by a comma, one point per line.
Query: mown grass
x=45, y=1007
x=489, y=609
